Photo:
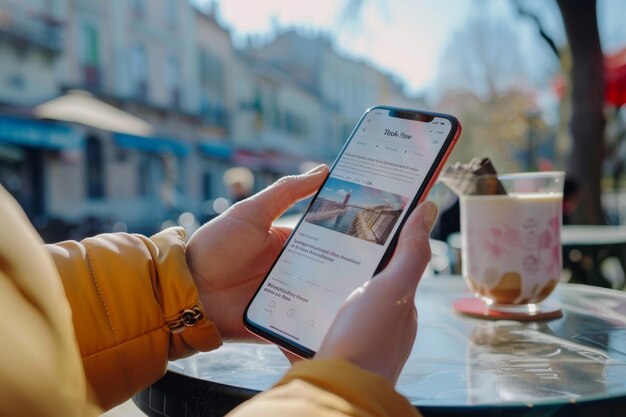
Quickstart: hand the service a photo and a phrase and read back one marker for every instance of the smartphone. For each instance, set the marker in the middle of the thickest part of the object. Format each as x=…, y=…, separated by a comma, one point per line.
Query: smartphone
x=351, y=226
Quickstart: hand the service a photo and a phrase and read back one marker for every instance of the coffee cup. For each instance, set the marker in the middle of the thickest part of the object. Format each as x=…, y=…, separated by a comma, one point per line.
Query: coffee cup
x=511, y=242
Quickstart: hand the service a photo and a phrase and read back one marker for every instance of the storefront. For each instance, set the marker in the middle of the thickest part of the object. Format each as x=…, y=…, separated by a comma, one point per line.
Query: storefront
x=25, y=145
x=216, y=159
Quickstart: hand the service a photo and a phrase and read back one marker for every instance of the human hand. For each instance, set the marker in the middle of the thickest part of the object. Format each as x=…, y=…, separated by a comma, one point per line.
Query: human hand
x=376, y=326
x=230, y=255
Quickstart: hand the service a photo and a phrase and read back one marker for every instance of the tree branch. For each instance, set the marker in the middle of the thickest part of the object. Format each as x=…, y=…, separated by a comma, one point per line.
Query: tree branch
x=544, y=35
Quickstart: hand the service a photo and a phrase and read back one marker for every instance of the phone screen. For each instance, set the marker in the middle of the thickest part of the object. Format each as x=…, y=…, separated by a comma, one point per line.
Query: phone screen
x=344, y=234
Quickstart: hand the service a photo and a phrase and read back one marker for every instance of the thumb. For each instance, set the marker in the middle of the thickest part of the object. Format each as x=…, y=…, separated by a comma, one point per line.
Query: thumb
x=266, y=206
x=413, y=251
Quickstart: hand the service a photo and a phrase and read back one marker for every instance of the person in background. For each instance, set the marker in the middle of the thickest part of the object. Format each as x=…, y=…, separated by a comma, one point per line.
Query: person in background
x=571, y=195
x=240, y=183
x=88, y=324
x=449, y=220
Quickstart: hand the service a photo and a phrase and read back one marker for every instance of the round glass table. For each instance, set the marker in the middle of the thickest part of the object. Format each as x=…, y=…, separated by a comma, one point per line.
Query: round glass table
x=572, y=366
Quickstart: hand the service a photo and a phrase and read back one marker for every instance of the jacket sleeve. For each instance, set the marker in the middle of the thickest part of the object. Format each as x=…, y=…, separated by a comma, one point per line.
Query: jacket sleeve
x=328, y=388
x=134, y=306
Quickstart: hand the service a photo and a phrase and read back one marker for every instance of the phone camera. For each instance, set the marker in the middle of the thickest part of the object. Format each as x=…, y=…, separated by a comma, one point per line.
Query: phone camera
x=420, y=117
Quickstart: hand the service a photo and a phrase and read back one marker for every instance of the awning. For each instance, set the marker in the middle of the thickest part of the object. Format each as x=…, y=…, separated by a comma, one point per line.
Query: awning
x=28, y=132
x=81, y=107
x=216, y=150
x=152, y=144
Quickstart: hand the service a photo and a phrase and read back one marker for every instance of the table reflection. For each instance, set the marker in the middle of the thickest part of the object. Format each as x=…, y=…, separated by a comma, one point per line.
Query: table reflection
x=458, y=361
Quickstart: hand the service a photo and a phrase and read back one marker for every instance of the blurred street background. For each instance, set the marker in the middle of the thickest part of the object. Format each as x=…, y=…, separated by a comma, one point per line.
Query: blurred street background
x=135, y=115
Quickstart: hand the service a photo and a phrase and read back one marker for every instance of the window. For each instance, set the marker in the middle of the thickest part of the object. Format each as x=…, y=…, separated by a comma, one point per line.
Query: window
x=207, y=186
x=94, y=162
x=89, y=50
x=90, y=56
x=269, y=105
x=150, y=175
x=139, y=8
x=139, y=72
x=212, y=73
x=17, y=82
x=54, y=7
x=21, y=54
x=212, y=104
x=295, y=125
x=172, y=77
x=171, y=13
x=143, y=176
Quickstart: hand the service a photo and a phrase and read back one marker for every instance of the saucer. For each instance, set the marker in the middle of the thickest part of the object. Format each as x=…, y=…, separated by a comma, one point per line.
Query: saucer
x=476, y=307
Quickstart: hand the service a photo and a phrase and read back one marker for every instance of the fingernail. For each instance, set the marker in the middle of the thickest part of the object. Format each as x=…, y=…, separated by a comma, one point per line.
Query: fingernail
x=316, y=170
x=430, y=215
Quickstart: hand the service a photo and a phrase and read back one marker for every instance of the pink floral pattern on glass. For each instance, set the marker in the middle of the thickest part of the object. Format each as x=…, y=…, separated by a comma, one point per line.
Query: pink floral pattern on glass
x=541, y=245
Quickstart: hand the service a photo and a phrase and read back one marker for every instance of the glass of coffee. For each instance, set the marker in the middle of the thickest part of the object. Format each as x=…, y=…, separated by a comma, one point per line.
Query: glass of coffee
x=511, y=239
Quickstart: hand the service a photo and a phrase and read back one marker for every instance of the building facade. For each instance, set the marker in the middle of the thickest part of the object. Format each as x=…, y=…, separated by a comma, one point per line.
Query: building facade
x=343, y=87
x=135, y=55
x=31, y=48
x=170, y=106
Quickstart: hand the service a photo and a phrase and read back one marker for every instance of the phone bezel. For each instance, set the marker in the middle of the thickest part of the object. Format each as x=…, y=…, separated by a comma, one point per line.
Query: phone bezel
x=422, y=192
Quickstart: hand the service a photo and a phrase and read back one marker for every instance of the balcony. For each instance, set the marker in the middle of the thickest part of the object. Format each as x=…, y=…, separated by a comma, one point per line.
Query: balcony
x=27, y=26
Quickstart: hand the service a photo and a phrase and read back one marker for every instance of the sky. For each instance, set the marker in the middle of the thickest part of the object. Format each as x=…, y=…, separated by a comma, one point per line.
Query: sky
x=413, y=32
x=408, y=38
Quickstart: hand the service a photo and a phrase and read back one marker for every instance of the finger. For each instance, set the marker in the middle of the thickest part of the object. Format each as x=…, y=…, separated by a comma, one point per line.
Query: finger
x=266, y=206
x=282, y=232
x=413, y=251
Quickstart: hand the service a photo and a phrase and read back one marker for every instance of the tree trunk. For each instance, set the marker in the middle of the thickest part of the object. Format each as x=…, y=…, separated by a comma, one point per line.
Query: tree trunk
x=563, y=143
x=587, y=118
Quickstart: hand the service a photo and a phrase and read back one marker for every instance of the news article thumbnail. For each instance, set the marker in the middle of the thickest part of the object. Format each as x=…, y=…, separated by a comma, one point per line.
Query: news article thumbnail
x=356, y=210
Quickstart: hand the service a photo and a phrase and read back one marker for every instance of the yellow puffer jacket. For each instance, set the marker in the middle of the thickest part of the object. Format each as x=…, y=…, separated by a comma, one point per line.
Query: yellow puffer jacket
x=86, y=325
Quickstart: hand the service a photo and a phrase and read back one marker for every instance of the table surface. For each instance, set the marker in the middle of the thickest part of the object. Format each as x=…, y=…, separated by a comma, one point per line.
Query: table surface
x=459, y=361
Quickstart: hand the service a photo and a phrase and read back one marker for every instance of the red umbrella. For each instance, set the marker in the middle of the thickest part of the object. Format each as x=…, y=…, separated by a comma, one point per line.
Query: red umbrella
x=615, y=78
